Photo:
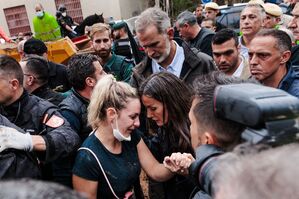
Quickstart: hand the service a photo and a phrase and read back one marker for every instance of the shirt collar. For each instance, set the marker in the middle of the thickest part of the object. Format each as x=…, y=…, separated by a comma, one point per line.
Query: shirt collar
x=239, y=70
x=175, y=67
x=110, y=61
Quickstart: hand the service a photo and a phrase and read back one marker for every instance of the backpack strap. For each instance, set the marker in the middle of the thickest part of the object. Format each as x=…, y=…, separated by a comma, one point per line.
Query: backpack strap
x=99, y=163
x=203, y=36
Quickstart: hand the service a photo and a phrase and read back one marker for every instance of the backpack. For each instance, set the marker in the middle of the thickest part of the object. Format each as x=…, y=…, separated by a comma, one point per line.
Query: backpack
x=122, y=47
x=206, y=32
x=18, y=164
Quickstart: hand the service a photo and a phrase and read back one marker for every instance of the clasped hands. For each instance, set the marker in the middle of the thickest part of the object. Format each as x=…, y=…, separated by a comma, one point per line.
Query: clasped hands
x=178, y=162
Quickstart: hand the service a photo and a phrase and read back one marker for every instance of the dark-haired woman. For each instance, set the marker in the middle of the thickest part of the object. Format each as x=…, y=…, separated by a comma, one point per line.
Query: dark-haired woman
x=167, y=100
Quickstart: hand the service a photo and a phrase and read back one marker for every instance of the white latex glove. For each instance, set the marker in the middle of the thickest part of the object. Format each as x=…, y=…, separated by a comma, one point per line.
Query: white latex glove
x=11, y=138
x=74, y=32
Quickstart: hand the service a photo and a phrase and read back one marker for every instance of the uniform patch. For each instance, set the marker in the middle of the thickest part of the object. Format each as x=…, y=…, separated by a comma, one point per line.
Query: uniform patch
x=54, y=121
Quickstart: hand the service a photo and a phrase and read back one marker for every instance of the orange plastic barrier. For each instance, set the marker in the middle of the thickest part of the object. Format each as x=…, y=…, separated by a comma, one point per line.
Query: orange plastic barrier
x=58, y=51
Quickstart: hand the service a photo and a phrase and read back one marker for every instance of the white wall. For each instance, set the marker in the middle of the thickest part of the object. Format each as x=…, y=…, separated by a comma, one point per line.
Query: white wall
x=131, y=7
x=107, y=7
x=49, y=6
x=118, y=9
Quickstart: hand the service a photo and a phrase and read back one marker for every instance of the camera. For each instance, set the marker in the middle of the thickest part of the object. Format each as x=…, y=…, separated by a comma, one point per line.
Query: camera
x=270, y=116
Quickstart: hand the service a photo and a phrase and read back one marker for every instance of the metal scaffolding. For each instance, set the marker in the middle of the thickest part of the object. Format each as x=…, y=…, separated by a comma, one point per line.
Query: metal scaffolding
x=164, y=5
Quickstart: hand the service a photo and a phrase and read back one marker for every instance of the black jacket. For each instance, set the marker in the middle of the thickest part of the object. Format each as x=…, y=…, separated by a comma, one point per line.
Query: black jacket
x=77, y=106
x=35, y=116
x=203, y=41
x=295, y=55
x=196, y=63
x=46, y=93
x=58, y=80
x=16, y=163
x=219, y=26
x=74, y=110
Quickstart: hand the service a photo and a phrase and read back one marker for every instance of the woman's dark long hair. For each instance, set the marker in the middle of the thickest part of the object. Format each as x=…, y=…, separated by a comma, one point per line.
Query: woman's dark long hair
x=175, y=96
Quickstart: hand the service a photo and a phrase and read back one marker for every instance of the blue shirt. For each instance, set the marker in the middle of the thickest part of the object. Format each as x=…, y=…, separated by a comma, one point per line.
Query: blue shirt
x=176, y=65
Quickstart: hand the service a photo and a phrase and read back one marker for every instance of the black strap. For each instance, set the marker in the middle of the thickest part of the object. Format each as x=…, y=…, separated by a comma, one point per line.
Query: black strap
x=102, y=169
x=203, y=36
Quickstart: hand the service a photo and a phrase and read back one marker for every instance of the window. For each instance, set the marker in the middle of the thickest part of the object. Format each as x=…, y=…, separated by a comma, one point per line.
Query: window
x=230, y=17
x=17, y=20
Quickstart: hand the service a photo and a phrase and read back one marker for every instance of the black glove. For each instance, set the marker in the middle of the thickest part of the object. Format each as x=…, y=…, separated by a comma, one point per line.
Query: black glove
x=202, y=176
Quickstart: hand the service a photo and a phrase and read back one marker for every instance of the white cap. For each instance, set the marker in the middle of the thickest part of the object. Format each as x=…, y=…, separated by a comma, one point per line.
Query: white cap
x=212, y=5
x=260, y=2
x=272, y=9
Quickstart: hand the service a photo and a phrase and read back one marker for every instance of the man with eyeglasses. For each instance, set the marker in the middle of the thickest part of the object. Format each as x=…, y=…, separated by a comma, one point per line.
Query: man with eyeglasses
x=48, y=134
x=57, y=72
x=36, y=77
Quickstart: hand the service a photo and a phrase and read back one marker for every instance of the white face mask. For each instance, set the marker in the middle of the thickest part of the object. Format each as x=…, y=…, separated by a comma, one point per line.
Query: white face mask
x=63, y=14
x=118, y=135
x=40, y=14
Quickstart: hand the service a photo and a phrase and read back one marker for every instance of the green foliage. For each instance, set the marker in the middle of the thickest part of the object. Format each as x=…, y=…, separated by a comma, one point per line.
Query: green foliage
x=178, y=6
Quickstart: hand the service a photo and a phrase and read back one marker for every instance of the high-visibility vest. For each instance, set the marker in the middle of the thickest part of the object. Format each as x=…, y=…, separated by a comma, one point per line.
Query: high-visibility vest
x=46, y=28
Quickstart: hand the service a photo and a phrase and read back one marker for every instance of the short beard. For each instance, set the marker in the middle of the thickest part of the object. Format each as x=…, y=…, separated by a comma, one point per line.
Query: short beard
x=117, y=36
x=165, y=55
x=104, y=56
x=235, y=65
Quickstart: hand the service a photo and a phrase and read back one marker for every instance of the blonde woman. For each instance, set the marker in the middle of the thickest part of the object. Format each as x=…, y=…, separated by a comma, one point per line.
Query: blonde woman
x=114, y=115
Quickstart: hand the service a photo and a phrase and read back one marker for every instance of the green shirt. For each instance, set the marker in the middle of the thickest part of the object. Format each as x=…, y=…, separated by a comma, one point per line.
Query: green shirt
x=120, y=67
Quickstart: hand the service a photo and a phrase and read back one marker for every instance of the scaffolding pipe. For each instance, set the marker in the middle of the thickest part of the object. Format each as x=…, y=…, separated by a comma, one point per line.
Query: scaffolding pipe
x=157, y=3
x=167, y=6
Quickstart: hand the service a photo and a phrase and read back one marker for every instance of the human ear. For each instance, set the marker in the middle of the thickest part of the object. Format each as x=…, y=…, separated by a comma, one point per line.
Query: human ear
x=209, y=138
x=15, y=84
x=111, y=114
x=30, y=80
x=278, y=19
x=89, y=81
x=170, y=33
x=285, y=56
